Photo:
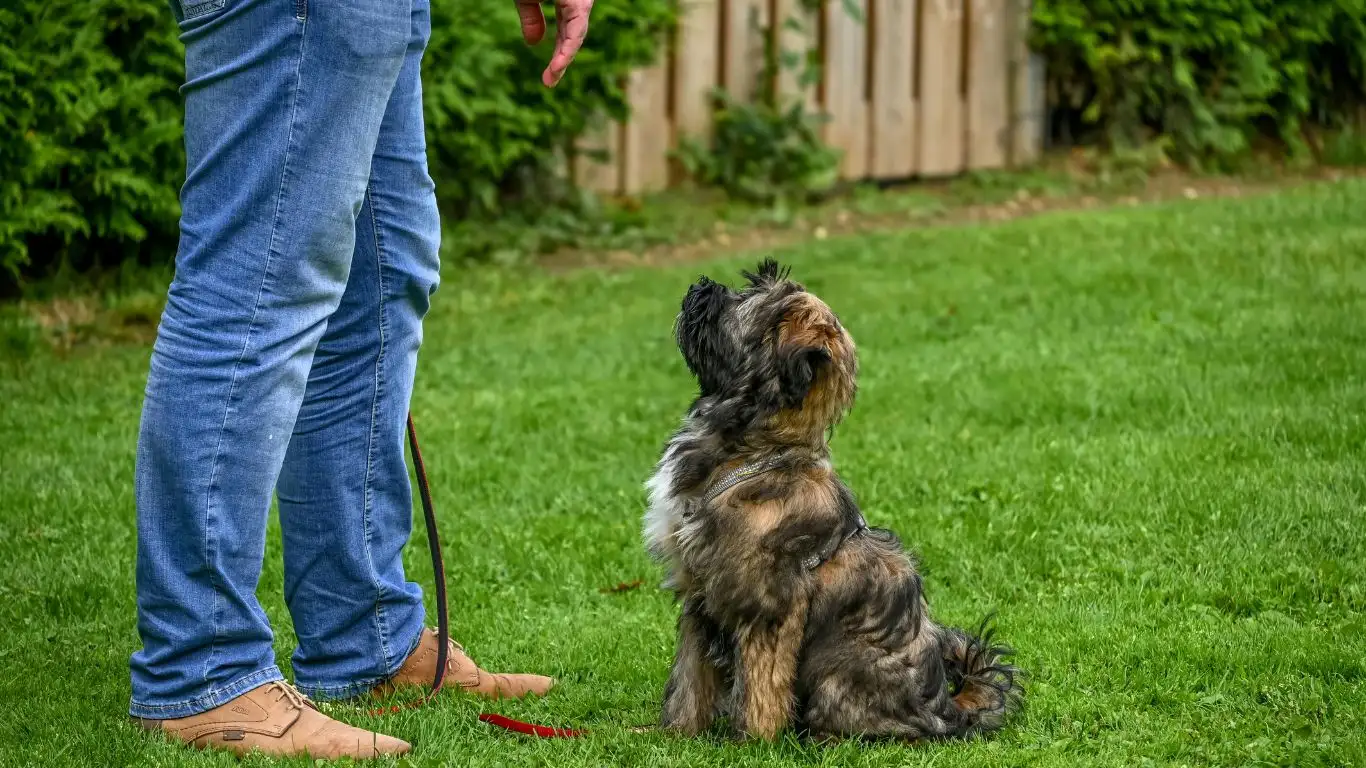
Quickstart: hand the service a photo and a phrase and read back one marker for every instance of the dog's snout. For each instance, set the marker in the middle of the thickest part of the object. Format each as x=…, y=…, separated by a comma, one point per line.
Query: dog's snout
x=703, y=297
x=704, y=286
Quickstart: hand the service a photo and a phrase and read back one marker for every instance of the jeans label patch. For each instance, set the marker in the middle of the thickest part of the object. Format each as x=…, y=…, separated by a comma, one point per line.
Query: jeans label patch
x=196, y=8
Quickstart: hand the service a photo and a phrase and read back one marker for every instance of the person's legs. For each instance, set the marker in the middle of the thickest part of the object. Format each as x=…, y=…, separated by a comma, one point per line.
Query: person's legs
x=283, y=105
x=345, y=500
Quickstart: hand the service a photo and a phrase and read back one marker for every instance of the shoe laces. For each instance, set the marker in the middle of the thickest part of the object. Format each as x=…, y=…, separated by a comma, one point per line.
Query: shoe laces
x=289, y=693
x=452, y=648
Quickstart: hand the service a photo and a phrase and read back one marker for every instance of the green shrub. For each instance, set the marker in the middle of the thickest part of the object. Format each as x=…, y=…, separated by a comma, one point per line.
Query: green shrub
x=1209, y=75
x=91, y=155
x=763, y=148
x=90, y=144
x=762, y=152
x=496, y=136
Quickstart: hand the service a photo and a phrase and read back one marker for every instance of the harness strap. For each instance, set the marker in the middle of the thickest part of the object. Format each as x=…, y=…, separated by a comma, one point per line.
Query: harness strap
x=737, y=476
x=754, y=469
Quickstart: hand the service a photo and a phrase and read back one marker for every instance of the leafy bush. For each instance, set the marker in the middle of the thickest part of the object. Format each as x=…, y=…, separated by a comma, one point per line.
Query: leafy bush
x=90, y=147
x=91, y=155
x=1207, y=75
x=763, y=150
x=496, y=136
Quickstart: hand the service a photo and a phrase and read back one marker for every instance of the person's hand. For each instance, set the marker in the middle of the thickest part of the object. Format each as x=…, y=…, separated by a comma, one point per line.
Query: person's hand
x=571, y=24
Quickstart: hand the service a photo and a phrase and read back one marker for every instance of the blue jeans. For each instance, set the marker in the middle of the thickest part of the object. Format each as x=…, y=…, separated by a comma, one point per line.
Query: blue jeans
x=285, y=357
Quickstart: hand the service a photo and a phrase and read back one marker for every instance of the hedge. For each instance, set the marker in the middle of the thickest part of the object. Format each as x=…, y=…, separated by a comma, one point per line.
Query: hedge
x=1208, y=77
x=91, y=159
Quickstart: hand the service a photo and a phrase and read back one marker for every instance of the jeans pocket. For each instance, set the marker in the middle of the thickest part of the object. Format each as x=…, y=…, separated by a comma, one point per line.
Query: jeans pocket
x=193, y=9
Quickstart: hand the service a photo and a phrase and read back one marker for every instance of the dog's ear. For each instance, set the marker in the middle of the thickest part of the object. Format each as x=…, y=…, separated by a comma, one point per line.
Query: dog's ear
x=798, y=367
x=701, y=336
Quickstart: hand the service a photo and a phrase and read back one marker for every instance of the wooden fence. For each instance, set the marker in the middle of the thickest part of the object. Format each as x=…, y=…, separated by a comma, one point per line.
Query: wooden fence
x=926, y=88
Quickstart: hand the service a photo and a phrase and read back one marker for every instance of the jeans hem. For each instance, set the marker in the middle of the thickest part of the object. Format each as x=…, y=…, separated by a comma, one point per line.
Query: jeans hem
x=214, y=698
x=357, y=688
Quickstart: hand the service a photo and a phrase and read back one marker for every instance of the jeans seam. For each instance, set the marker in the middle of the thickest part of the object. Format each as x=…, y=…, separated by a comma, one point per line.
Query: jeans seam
x=241, y=356
x=381, y=625
x=346, y=690
x=343, y=690
x=214, y=697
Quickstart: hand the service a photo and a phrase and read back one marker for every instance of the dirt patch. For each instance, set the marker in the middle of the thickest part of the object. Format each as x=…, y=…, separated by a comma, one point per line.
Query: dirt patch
x=81, y=321
x=69, y=323
x=1170, y=184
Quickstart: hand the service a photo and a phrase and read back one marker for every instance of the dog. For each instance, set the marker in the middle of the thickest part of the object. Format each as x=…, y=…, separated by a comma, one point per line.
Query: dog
x=795, y=613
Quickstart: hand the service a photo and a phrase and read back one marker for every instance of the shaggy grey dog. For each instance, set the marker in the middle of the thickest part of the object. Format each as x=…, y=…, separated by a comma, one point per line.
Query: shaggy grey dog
x=795, y=613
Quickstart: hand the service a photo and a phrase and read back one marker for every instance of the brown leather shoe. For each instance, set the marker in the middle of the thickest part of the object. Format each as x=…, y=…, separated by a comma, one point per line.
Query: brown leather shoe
x=279, y=721
x=420, y=670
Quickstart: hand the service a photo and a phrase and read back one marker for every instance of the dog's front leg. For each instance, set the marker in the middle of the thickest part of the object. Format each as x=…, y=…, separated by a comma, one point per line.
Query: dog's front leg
x=694, y=683
x=768, y=671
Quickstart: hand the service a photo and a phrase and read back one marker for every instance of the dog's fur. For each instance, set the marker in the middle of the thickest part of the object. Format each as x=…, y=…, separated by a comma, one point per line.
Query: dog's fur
x=794, y=613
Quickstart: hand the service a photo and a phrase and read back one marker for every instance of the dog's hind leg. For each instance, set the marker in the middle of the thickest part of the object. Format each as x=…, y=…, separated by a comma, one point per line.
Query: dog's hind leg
x=767, y=673
x=694, y=685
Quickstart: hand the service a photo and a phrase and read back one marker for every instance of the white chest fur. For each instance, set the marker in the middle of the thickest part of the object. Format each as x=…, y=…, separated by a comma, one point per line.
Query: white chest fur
x=664, y=512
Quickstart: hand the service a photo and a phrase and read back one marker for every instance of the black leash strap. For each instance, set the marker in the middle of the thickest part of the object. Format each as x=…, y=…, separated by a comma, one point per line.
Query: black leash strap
x=443, y=627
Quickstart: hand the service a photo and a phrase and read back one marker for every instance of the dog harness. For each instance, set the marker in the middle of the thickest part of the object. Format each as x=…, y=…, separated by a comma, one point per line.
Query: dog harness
x=737, y=476
x=754, y=469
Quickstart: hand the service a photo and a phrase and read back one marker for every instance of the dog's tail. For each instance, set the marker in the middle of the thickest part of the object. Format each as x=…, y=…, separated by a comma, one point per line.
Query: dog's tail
x=985, y=689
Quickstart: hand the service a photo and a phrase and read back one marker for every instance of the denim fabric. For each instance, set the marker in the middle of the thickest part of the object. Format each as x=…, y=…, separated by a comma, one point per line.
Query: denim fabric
x=285, y=357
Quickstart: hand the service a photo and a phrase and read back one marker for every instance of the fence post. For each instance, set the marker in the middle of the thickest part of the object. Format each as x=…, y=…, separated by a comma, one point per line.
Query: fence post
x=648, y=137
x=892, y=154
x=697, y=60
x=599, y=174
x=846, y=69
x=1026, y=92
x=743, y=25
x=795, y=36
x=941, y=92
x=988, y=78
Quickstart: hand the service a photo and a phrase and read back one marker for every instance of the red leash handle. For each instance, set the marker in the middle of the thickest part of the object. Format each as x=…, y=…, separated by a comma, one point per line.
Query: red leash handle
x=539, y=731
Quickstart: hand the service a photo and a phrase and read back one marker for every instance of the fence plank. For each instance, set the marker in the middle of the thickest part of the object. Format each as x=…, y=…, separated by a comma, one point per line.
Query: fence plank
x=743, y=49
x=797, y=34
x=601, y=175
x=647, y=140
x=893, y=151
x=941, y=99
x=1025, y=98
x=988, y=84
x=896, y=93
x=696, y=57
x=846, y=68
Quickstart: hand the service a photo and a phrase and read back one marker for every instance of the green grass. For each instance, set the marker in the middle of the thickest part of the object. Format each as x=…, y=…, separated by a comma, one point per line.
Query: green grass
x=1138, y=434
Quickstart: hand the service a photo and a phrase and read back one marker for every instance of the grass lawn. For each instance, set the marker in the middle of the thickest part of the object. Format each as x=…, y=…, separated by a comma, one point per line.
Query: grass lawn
x=1138, y=434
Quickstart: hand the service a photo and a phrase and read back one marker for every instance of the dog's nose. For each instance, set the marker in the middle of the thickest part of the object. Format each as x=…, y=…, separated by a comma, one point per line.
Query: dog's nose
x=701, y=291
x=704, y=283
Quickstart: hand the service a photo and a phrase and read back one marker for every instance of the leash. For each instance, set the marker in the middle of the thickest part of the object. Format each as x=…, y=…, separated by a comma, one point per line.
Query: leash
x=443, y=621
x=443, y=626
